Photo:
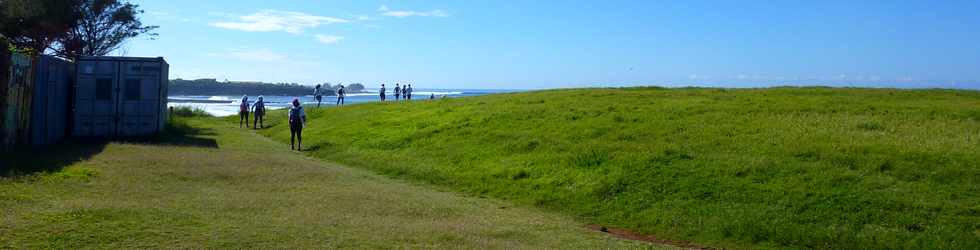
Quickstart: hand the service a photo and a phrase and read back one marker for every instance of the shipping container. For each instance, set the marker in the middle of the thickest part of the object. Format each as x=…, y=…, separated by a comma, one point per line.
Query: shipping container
x=49, y=115
x=120, y=96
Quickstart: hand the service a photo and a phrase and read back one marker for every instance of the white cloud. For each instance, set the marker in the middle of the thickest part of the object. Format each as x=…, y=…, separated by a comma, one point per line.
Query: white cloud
x=328, y=39
x=251, y=55
x=409, y=13
x=363, y=18
x=274, y=20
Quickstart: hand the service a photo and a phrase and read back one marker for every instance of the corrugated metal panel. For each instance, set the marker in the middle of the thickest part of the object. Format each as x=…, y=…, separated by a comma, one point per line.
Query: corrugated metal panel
x=120, y=96
x=50, y=106
x=164, y=90
x=18, y=104
x=4, y=81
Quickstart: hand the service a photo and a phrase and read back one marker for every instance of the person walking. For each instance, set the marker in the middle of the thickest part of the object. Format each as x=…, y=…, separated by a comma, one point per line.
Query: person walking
x=398, y=92
x=317, y=95
x=382, y=92
x=243, y=111
x=341, y=93
x=297, y=120
x=259, y=110
x=405, y=92
x=409, y=92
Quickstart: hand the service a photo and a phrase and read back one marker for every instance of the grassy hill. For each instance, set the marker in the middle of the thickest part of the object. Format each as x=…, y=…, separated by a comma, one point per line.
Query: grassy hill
x=781, y=167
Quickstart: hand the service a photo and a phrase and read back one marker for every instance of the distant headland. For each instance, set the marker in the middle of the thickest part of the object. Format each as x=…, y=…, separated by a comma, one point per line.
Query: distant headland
x=211, y=86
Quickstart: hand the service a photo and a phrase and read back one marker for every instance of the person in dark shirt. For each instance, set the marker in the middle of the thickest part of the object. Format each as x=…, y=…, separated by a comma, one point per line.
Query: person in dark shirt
x=382, y=92
x=297, y=120
x=259, y=110
x=341, y=93
x=405, y=93
x=398, y=91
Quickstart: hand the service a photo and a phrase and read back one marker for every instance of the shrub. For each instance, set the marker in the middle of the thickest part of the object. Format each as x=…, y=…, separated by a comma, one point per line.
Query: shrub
x=189, y=112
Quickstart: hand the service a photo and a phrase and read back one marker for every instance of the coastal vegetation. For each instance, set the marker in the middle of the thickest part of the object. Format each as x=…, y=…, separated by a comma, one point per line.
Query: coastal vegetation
x=185, y=111
x=734, y=168
x=205, y=87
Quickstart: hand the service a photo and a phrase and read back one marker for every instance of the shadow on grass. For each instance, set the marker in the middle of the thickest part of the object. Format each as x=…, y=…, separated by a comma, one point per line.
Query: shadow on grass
x=28, y=160
x=179, y=133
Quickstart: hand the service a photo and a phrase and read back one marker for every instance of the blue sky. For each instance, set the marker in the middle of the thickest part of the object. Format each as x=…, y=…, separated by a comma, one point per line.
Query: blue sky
x=551, y=44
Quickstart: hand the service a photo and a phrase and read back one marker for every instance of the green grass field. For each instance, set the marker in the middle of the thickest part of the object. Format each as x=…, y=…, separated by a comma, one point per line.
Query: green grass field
x=208, y=184
x=745, y=168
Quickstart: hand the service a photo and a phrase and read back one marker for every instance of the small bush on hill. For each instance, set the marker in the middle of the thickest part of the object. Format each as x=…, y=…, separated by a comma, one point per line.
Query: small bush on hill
x=189, y=112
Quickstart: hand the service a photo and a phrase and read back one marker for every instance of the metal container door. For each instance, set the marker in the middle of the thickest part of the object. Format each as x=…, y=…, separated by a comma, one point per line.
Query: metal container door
x=96, y=95
x=139, y=99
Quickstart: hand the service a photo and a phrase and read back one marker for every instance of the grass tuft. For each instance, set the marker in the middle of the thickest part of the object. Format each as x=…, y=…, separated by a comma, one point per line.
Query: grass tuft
x=871, y=126
x=184, y=111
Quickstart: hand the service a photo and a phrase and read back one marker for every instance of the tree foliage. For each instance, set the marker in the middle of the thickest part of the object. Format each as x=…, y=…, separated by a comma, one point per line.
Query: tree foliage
x=71, y=28
x=102, y=27
x=35, y=24
x=355, y=87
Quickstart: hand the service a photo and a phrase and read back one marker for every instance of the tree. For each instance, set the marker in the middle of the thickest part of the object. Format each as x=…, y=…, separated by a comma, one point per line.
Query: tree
x=102, y=27
x=34, y=25
x=355, y=87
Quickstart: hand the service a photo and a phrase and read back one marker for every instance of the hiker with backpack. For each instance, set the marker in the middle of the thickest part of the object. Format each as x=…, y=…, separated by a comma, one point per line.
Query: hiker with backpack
x=297, y=120
x=259, y=110
x=317, y=95
x=398, y=92
x=341, y=93
x=243, y=111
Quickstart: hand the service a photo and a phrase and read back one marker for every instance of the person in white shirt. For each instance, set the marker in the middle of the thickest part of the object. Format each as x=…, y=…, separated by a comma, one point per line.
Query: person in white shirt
x=409, y=95
x=317, y=95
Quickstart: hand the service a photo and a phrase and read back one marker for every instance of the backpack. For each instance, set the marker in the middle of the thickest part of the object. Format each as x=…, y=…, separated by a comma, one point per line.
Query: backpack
x=294, y=114
x=259, y=107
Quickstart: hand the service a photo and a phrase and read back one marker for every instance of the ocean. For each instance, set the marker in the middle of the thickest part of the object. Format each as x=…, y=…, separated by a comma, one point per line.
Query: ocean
x=224, y=105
